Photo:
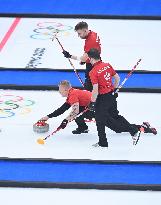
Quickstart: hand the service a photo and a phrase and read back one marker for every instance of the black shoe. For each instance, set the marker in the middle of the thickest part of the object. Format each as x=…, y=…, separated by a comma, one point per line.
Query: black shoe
x=148, y=128
x=134, y=130
x=80, y=131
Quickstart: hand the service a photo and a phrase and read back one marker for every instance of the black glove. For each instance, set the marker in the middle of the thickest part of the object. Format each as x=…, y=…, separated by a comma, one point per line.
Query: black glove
x=114, y=93
x=66, y=54
x=63, y=124
x=91, y=106
x=82, y=63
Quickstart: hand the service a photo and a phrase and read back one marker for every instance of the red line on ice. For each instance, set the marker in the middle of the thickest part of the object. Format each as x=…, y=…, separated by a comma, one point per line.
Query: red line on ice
x=9, y=33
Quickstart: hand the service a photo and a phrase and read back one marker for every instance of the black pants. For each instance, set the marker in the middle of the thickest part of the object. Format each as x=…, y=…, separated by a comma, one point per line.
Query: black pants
x=87, y=83
x=108, y=115
x=115, y=114
x=80, y=120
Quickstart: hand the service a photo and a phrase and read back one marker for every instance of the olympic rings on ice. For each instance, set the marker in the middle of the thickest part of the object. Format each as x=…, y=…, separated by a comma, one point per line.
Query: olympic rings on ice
x=11, y=104
x=6, y=114
x=46, y=30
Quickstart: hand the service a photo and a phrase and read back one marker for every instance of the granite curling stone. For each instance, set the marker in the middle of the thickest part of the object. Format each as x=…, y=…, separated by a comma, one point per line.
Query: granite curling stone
x=41, y=127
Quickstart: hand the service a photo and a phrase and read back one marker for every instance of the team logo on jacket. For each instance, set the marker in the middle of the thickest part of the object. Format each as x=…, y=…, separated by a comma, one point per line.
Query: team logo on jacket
x=107, y=76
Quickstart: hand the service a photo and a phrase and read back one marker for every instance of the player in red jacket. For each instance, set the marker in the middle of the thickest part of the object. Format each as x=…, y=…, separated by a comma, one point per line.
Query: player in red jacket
x=92, y=40
x=78, y=100
x=104, y=101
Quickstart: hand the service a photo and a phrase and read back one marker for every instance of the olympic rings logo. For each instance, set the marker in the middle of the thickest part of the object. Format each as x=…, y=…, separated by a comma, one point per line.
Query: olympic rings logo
x=10, y=104
x=46, y=30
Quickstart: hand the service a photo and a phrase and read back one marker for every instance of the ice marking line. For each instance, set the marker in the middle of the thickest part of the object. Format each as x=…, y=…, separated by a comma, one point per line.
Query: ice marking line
x=9, y=33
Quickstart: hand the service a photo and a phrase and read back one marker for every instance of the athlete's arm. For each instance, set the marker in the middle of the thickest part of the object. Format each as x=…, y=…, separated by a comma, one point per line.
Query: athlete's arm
x=83, y=58
x=60, y=110
x=94, y=92
x=74, y=112
x=116, y=80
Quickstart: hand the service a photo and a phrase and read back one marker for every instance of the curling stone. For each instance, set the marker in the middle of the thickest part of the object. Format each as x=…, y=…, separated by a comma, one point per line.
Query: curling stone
x=41, y=127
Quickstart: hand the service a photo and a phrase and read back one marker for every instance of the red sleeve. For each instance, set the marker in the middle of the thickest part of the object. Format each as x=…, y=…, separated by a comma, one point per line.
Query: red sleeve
x=93, y=77
x=113, y=72
x=92, y=42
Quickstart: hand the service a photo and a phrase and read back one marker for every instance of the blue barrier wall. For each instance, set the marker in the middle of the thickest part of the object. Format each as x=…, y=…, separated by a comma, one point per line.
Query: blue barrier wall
x=149, y=82
x=87, y=7
x=79, y=174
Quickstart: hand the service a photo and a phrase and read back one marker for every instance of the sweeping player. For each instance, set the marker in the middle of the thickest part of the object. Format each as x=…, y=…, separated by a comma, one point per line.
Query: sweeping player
x=104, y=102
x=92, y=40
x=78, y=100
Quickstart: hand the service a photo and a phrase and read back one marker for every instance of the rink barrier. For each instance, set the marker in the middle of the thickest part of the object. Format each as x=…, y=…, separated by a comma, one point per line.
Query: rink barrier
x=92, y=161
x=141, y=81
x=81, y=16
x=135, y=187
x=80, y=185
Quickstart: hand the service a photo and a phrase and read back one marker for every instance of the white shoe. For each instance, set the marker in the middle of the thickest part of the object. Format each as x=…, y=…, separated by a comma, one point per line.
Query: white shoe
x=136, y=138
x=97, y=145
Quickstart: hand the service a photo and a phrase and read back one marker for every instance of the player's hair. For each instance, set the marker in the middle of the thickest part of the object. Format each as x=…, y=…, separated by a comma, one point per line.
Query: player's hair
x=94, y=53
x=81, y=25
x=65, y=83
